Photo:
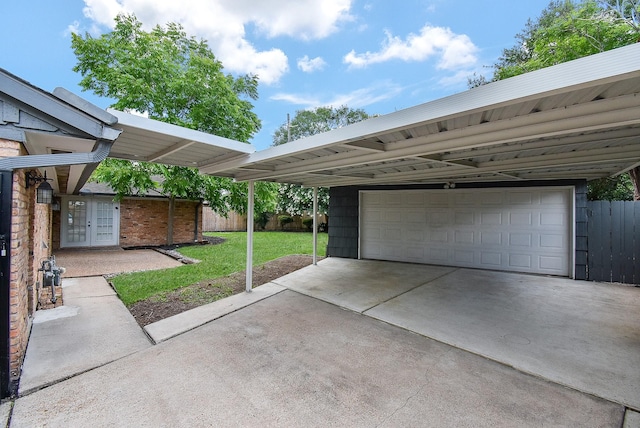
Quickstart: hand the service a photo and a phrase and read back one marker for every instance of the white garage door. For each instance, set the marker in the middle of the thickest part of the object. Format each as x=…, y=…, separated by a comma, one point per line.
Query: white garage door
x=523, y=230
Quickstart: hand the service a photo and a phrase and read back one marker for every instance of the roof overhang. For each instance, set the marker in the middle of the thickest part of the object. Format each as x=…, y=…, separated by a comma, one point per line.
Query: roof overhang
x=577, y=120
x=149, y=140
x=66, y=136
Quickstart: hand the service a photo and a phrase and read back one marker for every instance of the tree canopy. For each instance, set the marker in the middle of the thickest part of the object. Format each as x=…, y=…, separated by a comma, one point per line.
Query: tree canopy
x=172, y=78
x=568, y=30
x=306, y=123
x=295, y=199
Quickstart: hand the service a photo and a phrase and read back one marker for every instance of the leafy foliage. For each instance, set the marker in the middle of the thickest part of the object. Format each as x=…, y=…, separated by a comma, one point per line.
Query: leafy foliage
x=176, y=79
x=295, y=199
x=306, y=123
x=567, y=30
x=617, y=188
x=172, y=77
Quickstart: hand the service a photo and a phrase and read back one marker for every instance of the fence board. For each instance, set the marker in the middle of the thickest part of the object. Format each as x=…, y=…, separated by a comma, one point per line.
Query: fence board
x=636, y=243
x=628, y=237
x=613, y=242
x=616, y=237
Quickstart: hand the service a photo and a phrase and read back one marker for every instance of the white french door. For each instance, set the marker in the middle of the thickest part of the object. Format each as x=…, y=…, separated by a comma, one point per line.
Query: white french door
x=89, y=222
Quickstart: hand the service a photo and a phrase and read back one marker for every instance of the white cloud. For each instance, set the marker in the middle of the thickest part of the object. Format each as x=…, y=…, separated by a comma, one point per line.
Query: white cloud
x=358, y=98
x=307, y=101
x=310, y=65
x=223, y=24
x=453, y=50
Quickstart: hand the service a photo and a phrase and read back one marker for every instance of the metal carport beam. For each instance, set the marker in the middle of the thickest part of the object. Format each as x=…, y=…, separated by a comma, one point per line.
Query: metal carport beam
x=596, y=115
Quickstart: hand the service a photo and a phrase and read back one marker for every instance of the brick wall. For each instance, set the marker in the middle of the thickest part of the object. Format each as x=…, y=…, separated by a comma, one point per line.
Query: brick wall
x=144, y=222
x=21, y=274
x=30, y=242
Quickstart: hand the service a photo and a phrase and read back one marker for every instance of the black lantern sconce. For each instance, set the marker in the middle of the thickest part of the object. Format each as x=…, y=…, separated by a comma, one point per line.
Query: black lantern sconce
x=44, y=192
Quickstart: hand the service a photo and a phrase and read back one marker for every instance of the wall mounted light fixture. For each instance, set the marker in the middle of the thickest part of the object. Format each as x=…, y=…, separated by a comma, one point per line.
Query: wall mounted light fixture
x=44, y=192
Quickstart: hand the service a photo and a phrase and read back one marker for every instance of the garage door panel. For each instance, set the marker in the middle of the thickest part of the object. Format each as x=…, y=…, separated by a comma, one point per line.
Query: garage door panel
x=487, y=239
x=438, y=217
x=505, y=229
x=490, y=218
x=437, y=200
x=438, y=236
x=464, y=237
x=552, y=219
x=520, y=239
x=491, y=260
x=520, y=261
x=493, y=198
x=521, y=219
x=464, y=257
x=520, y=198
x=464, y=218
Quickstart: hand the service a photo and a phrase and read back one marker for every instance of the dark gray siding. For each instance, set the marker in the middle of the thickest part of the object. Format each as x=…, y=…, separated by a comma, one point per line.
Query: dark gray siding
x=343, y=222
x=344, y=216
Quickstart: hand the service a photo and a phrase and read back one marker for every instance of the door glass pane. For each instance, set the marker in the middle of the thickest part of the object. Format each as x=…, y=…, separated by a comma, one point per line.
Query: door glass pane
x=76, y=221
x=104, y=221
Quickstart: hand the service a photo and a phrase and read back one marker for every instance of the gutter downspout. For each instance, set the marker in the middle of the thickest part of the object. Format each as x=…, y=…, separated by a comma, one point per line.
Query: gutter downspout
x=100, y=153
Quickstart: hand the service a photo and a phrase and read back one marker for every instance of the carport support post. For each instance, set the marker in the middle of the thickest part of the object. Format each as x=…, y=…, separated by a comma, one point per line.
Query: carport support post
x=315, y=226
x=250, y=237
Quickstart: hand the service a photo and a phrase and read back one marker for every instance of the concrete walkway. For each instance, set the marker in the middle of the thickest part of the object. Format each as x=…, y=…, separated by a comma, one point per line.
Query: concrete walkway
x=93, y=328
x=276, y=357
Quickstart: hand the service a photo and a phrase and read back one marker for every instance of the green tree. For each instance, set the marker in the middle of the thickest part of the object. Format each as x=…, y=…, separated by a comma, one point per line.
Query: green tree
x=617, y=188
x=567, y=30
x=295, y=199
x=321, y=119
x=176, y=79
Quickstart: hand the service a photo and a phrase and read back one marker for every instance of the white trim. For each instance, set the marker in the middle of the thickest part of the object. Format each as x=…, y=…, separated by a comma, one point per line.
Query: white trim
x=250, y=205
x=315, y=226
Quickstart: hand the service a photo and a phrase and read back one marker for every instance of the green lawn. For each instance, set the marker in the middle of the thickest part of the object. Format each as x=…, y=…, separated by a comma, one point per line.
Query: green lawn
x=216, y=261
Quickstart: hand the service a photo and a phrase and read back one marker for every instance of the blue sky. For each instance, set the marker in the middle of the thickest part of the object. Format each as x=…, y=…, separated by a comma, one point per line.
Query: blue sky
x=377, y=55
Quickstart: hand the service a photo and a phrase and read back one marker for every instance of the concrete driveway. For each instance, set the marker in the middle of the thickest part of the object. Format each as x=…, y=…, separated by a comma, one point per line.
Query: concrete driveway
x=339, y=347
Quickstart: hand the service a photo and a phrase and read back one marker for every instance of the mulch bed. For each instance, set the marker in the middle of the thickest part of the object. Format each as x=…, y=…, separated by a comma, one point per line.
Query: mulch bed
x=172, y=303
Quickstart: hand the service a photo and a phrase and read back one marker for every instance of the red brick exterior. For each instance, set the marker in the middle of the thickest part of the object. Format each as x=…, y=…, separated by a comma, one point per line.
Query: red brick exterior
x=144, y=222
x=30, y=243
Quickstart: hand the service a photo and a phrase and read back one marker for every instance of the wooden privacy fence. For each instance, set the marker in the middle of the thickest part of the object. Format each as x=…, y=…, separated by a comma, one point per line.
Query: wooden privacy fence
x=613, y=231
x=234, y=222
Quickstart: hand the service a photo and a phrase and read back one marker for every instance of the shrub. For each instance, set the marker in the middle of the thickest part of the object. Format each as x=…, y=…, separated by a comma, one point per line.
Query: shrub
x=284, y=220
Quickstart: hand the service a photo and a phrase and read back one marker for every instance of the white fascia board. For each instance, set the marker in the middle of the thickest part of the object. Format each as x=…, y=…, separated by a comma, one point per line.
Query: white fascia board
x=607, y=67
x=155, y=126
x=32, y=97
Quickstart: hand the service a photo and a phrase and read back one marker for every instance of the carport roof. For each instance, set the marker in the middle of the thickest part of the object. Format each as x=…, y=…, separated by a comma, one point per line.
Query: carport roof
x=150, y=140
x=579, y=119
